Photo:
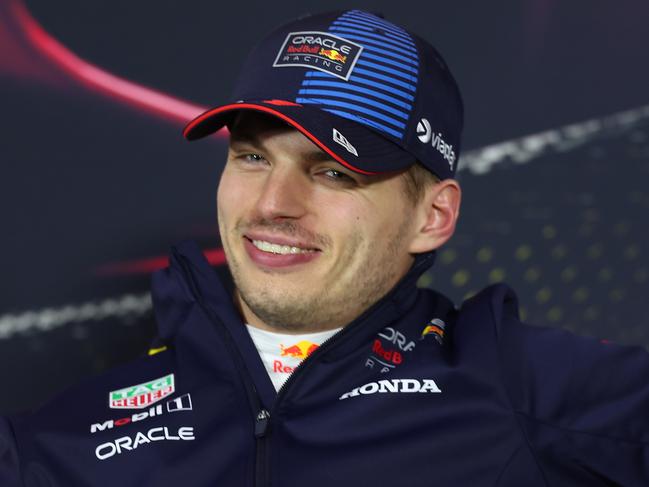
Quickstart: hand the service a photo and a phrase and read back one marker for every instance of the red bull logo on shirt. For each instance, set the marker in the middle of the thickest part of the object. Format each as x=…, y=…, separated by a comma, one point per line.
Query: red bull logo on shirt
x=300, y=350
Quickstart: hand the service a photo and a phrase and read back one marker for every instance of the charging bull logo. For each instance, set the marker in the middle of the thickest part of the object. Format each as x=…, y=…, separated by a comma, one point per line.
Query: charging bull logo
x=333, y=55
x=300, y=350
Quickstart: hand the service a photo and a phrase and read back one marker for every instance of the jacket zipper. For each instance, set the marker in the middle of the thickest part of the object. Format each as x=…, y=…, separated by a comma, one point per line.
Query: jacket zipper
x=262, y=424
x=300, y=366
x=262, y=416
x=311, y=359
x=261, y=462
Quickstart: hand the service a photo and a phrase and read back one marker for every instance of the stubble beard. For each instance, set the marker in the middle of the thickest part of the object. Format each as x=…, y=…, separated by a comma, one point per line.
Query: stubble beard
x=300, y=310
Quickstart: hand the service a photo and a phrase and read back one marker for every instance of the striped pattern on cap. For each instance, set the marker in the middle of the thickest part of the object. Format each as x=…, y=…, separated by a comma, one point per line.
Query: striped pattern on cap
x=381, y=89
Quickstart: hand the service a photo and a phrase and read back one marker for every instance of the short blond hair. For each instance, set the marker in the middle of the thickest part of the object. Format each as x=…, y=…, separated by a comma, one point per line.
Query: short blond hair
x=416, y=180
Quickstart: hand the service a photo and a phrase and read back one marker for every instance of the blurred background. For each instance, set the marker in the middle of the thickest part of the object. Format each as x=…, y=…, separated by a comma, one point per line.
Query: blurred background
x=97, y=182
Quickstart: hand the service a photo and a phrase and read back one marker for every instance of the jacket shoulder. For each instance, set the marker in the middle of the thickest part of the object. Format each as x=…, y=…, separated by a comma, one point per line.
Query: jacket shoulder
x=566, y=370
x=91, y=398
x=578, y=399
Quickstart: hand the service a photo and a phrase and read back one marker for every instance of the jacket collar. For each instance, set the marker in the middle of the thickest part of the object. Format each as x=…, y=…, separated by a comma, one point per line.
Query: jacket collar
x=190, y=278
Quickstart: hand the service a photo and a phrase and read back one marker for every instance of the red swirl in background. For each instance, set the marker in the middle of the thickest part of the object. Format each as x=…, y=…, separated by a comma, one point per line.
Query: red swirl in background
x=30, y=53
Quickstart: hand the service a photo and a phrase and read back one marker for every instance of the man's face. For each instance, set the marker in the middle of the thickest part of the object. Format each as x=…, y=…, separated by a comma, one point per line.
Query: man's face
x=310, y=244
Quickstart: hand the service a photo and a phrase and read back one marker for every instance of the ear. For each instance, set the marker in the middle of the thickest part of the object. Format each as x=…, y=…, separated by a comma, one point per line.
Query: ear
x=436, y=216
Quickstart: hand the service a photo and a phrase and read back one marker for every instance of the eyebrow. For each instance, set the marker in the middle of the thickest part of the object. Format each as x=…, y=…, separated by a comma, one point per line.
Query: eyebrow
x=316, y=155
x=319, y=156
x=244, y=138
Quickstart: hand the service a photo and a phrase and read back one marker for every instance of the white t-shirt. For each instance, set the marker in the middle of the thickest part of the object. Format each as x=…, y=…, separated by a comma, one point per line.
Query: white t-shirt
x=281, y=353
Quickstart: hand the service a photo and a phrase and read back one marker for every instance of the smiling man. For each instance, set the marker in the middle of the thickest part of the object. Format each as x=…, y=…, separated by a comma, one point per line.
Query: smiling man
x=326, y=365
x=305, y=234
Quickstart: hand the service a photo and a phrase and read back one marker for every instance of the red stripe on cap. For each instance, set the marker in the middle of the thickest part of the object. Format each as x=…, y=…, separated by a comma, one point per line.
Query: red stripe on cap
x=282, y=102
x=261, y=108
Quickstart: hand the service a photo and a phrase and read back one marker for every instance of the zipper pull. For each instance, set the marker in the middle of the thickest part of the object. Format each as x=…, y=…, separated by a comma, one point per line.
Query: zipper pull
x=261, y=423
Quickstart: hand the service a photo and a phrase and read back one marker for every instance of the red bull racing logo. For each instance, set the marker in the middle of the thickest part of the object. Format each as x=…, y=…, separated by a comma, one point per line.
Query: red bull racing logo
x=297, y=352
x=319, y=50
x=300, y=350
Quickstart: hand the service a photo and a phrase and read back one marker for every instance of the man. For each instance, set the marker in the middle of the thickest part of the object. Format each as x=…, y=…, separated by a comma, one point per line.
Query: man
x=326, y=365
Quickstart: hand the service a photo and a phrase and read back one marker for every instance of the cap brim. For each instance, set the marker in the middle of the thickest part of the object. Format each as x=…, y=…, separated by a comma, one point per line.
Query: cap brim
x=360, y=149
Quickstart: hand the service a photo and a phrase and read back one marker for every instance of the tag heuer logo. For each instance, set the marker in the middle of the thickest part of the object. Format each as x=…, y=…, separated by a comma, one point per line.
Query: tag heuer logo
x=142, y=395
x=319, y=50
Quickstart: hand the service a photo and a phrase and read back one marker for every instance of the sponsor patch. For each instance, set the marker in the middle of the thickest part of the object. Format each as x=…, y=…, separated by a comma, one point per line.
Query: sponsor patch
x=394, y=386
x=436, y=328
x=180, y=403
x=142, y=395
x=128, y=443
x=319, y=50
x=397, y=338
x=280, y=367
x=291, y=356
x=426, y=135
x=385, y=357
x=299, y=350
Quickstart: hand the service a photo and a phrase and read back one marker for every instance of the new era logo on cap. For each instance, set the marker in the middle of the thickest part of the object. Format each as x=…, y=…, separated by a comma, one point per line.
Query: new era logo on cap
x=370, y=94
x=340, y=138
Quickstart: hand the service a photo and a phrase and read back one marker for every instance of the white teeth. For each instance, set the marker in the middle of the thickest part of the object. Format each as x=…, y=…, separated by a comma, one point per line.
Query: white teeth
x=278, y=249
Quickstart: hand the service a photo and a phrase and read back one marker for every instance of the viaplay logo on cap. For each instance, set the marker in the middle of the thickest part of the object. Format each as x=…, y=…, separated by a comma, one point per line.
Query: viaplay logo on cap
x=319, y=50
x=426, y=135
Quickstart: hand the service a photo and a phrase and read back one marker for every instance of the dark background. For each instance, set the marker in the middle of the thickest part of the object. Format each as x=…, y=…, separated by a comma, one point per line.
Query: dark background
x=94, y=188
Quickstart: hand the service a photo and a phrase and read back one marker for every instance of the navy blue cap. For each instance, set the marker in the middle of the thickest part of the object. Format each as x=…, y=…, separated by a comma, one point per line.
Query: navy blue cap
x=372, y=95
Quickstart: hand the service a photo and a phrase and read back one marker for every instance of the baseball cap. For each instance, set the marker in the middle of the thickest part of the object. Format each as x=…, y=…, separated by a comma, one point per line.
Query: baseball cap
x=372, y=95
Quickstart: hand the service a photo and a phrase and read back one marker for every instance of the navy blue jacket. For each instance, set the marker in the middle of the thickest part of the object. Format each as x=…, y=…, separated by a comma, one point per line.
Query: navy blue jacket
x=413, y=393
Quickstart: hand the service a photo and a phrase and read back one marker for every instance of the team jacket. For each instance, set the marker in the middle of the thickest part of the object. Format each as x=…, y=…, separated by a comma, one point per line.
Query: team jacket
x=413, y=393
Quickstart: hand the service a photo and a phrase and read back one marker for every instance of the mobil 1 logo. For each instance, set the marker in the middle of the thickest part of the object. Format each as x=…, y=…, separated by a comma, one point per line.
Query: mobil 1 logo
x=180, y=403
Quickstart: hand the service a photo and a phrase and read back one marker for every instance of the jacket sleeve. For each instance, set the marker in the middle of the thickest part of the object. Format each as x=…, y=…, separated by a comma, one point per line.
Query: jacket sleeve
x=9, y=469
x=582, y=404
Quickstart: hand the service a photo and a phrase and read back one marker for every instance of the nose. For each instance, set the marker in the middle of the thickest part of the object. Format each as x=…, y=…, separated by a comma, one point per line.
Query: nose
x=283, y=194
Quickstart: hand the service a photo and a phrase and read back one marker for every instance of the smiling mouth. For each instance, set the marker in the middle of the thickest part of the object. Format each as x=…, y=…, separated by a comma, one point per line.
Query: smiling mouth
x=273, y=248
